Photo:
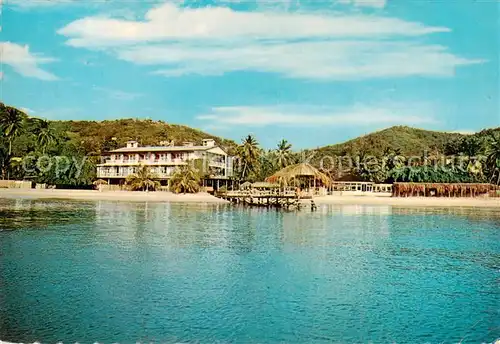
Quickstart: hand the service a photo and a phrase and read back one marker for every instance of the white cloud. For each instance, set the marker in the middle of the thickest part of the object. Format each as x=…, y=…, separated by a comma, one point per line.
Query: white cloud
x=24, y=62
x=318, y=116
x=337, y=60
x=169, y=22
x=465, y=132
x=117, y=94
x=365, y=3
x=28, y=110
x=216, y=40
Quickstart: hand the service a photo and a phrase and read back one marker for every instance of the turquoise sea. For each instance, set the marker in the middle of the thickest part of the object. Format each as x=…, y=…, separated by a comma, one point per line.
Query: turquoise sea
x=175, y=273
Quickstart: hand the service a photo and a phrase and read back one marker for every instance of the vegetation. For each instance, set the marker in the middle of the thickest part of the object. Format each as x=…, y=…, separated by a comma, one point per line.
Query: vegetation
x=407, y=141
x=186, y=179
x=107, y=135
x=12, y=122
x=71, y=149
x=66, y=152
x=143, y=180
x=42, y=151
x=493, y=157
x=385, y=157
x=283, y=154
x=249, y=156
x=440, y=189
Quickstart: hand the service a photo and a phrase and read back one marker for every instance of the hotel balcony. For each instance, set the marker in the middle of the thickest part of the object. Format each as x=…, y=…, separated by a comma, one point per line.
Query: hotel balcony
x=217, y=164
x=143, y=162
x=104, y=174
x=125, y=175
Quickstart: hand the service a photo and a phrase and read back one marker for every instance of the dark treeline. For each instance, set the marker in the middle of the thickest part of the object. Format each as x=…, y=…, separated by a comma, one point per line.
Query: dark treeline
x=42, y=151
x=71, y=149
x=443, y=158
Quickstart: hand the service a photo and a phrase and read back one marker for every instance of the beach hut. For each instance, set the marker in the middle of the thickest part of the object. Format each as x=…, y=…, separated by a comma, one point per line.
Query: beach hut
x=245, y=186
x=441, y=189
x=300, y=174
x=265, y=185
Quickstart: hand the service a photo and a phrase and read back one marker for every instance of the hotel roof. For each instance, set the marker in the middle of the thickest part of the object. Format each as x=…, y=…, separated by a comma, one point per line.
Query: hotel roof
x=161, y=149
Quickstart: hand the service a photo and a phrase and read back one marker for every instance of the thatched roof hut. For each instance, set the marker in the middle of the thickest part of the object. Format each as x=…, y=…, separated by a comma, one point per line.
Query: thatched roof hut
x=296, y=172
x=100, y=182
x=264, y=185
x=245, y=185
x=441, y=189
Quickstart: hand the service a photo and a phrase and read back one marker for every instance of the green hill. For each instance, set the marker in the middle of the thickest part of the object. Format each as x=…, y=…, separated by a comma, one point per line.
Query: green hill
x=409, y=141
x=105, y=135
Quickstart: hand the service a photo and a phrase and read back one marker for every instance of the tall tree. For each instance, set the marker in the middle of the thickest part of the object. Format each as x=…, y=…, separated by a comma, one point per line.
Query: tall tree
x=45, y=134
x=283, y=154
x=266, y=166
x=249, y=153
x=143, y=180
x=12, y=123
x=186, y=179
x=493, y=158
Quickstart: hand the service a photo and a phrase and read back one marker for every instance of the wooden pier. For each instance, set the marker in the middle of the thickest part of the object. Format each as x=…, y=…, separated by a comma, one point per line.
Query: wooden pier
x=285, y=199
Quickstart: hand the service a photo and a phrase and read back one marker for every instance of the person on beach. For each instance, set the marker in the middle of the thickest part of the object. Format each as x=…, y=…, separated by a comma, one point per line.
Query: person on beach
x=297, y=192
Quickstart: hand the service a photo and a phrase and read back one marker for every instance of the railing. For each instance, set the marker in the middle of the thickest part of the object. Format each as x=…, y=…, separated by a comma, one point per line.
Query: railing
x=144, y=162
x=255, y=193
x=126, y=174
x=217, y=164
x=111, y=175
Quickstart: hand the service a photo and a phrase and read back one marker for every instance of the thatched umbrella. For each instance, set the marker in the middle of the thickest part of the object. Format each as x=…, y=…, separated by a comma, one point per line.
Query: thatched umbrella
x=99, y=183
x=299, y=171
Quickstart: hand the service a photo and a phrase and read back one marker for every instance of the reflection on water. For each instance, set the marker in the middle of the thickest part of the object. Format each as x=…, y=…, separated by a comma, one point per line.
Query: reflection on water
x=125, y=272
x=33, y=214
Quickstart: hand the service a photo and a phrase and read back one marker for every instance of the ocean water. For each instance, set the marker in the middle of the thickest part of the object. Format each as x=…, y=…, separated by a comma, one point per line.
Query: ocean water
x=171, y=273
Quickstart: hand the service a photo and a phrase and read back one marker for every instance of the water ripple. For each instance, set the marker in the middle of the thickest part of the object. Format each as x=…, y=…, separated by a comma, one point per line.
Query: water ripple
x=140, y=272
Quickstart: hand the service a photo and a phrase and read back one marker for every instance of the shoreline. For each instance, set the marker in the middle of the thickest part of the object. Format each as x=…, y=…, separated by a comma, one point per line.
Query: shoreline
x=125, y=196
x=137, y=196
x=438, y=202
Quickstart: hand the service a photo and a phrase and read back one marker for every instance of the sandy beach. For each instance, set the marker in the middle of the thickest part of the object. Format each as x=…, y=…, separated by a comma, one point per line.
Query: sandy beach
x=482, y=202
x=207, y=198
x=91, y=195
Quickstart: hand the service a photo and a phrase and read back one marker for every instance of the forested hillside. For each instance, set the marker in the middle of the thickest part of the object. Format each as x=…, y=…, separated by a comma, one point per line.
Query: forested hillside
x=106, y=135
x=26, y=142
x=408, y=141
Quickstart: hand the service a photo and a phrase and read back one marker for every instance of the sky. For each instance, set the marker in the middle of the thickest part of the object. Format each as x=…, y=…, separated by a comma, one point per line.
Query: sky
x=313, y=72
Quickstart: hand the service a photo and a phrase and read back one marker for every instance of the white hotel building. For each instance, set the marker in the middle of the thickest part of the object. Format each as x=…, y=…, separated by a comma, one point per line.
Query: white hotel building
x=117, y=164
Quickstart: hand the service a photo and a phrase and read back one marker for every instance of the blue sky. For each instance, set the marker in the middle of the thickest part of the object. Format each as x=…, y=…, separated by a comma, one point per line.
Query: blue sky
x=313, y=72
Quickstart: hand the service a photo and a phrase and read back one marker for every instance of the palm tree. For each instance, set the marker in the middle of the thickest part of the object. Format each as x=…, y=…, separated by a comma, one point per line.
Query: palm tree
x=249, y=153
x=45, y=135
x=471, y=146
x=15, y=165
x=186, y=179
x=267, y=165
x=12, y=123
x=143, y=180
x=4, y=156
x=493, y=157
x=283, y=154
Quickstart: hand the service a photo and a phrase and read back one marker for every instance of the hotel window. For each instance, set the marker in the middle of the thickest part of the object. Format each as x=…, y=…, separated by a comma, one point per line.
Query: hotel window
x=179, y=156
